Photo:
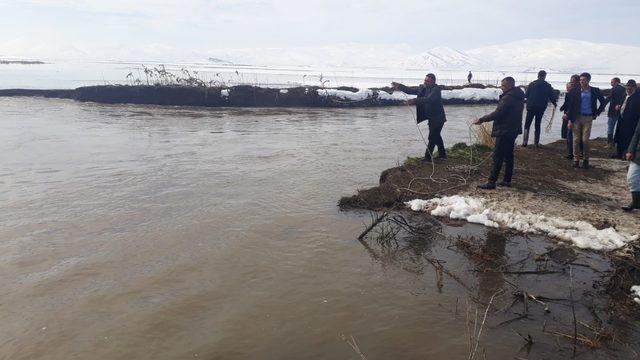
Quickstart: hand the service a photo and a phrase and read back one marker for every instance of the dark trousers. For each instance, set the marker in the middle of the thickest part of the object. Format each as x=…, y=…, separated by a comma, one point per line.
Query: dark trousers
x=435, y=139
x=537, y=113
x=503, y=152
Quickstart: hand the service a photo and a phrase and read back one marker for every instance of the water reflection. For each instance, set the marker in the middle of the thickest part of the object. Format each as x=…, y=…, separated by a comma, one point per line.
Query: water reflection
x=490, y=278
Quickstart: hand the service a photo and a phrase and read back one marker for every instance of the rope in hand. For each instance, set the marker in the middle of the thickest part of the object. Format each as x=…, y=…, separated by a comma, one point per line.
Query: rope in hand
x=547, y=129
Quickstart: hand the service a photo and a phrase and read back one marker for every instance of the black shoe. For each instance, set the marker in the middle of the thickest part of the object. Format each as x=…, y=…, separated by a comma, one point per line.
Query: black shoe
x=569, y=157
x=487, y=186
x=443, y=157
x=427, y=159
x=635, y=202
x=505, y=183
x=585, y=165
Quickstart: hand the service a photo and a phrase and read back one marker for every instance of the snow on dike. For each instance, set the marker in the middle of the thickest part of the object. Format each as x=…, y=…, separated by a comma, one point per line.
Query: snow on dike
x=477, y=210
x=469, y=94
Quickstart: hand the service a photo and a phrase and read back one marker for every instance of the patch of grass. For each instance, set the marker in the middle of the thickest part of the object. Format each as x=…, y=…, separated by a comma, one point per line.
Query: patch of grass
x=413, y=161
x=459, y=151
x=463, y=151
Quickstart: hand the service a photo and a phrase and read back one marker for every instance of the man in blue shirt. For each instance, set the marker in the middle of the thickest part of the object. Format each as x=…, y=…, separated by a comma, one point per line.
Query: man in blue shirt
x=582, y=110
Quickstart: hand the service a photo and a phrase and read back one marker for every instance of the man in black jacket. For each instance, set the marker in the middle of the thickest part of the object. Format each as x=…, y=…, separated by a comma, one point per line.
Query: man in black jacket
x=507, y=125
x=582, y=109
x=428, y=107
x=618, y=93
x=629, y=118
x=539, y=93
x=633, y=155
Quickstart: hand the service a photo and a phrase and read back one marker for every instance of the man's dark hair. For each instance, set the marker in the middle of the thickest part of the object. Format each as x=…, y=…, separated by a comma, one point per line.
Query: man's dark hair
x=542, y=74
x=511, y=81
x=587, y=75
x=632, y=83
x=575, y=77
x=431, y=76
x=616, y=79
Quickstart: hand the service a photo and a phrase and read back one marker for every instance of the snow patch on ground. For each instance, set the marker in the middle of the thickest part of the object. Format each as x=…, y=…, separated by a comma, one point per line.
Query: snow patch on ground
x=469, y=94
x=396, y=96
x=635, y=292
x=477, y=210
x=224, y=93
x=283, y=91
x=361, y=94
x=472, y=94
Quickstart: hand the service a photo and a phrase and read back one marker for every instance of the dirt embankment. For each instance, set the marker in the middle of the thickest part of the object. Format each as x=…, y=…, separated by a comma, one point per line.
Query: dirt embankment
x=544, y=182
x=234, y=96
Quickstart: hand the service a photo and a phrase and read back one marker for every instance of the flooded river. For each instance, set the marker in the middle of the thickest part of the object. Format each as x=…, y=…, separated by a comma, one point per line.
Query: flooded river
x=138, y=232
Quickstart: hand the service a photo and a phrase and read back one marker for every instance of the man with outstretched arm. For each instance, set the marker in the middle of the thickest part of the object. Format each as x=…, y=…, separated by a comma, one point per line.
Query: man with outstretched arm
x=507, y=125
x=539, y=94
x=428, y=107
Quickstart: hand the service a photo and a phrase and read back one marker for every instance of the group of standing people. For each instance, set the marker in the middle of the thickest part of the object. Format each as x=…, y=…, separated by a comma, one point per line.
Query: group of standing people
x=583, y=103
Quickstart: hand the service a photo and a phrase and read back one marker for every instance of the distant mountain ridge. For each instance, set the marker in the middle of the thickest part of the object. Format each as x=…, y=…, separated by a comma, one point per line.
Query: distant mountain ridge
x=564, y=55
x=560, y=55
x=554, y=55
x=443, y=57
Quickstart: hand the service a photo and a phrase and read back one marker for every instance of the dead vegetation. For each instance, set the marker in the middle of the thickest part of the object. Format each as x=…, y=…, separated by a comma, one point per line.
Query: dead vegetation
x=558, y=301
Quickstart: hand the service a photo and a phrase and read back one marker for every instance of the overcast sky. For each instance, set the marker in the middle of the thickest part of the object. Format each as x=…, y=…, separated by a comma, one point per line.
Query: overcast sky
x=97, y=28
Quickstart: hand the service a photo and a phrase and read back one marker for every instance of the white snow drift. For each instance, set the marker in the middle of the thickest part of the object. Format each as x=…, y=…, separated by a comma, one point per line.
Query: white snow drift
x=469, y=94
x=635, y=292
x=476, y=210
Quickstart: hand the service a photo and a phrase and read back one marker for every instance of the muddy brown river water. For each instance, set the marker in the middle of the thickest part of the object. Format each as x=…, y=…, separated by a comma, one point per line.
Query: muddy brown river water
x=136, y=232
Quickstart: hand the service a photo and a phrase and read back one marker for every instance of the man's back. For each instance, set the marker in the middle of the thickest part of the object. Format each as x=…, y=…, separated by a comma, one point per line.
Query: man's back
x=539, y=93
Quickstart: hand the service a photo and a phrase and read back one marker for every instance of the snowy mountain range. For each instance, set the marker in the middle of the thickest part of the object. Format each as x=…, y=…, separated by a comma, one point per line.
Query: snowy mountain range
x=560, y=55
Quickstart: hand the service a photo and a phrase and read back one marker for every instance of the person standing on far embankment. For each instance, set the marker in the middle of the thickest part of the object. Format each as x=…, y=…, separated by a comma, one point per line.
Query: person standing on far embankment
x=539, y=93
x=581, y=112
x=469, y=77
x=614, y=99
x=507, y=125
x=429, y=106
x=633, y=174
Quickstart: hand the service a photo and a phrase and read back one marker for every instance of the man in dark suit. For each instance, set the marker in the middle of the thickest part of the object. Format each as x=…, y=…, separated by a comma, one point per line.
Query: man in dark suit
x=632, y=105
x=582, y=109
x=618, y=93
x=507, y=125
x=538, y=94
x=428, y=107
x=629, y=117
